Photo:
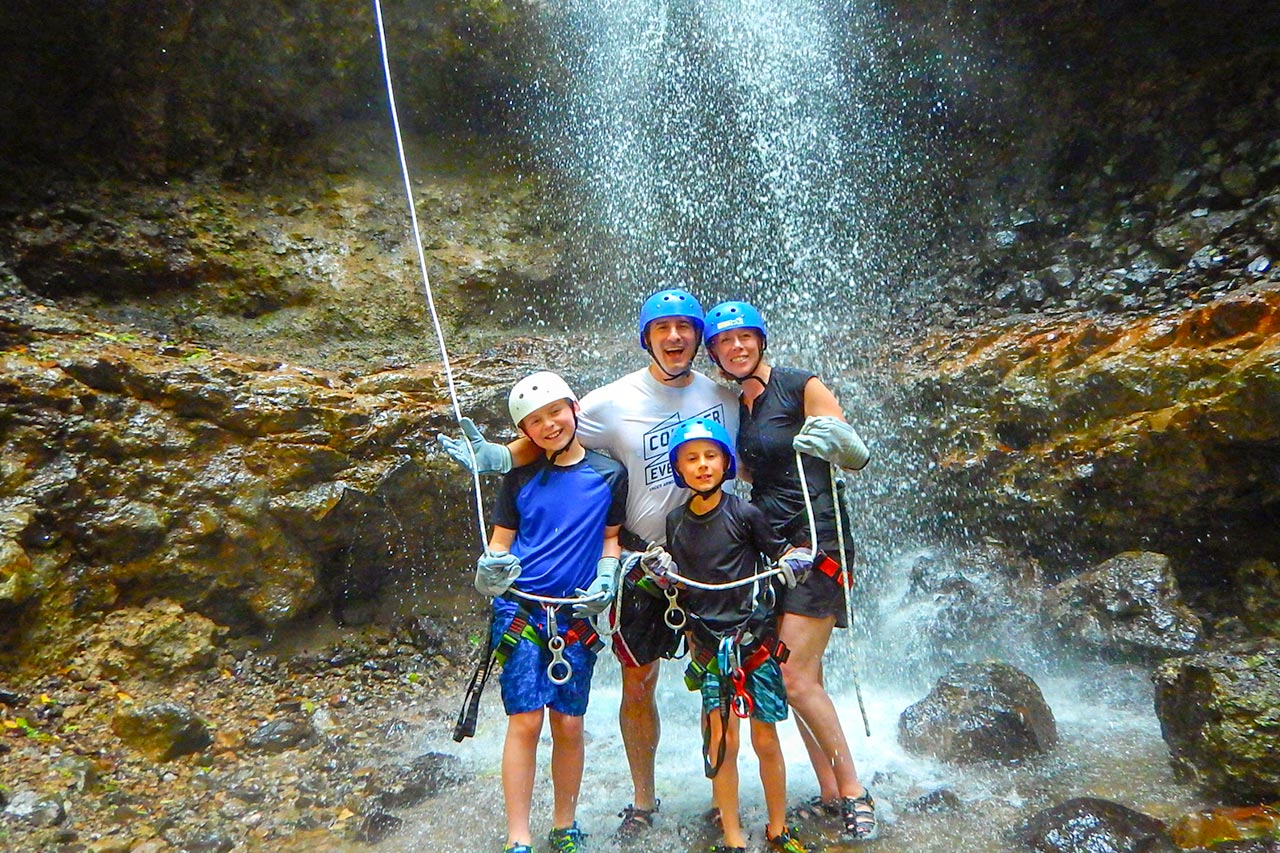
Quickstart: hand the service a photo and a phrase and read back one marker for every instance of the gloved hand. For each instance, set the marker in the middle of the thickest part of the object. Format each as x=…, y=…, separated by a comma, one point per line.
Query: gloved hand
x=605, y=583
x=795, y=566
x=490, y=458
x=657, y=562
x=832, y=439
x=496, y=572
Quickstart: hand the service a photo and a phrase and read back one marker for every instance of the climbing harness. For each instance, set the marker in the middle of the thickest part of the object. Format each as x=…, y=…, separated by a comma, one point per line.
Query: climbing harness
x=522, y=629
x=845, y=571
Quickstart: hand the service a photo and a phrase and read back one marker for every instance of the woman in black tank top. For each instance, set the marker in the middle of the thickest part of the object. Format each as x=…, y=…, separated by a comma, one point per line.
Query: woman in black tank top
x=783, y=410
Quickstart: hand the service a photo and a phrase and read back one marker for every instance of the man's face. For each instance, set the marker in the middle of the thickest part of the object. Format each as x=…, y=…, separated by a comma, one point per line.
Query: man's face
x=673, y=342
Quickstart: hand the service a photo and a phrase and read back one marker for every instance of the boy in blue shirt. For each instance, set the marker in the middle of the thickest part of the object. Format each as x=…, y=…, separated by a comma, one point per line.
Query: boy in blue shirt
x=555, y=536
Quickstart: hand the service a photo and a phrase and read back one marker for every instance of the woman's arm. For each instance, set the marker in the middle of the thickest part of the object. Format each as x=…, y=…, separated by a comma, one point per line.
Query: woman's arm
x=819, y=401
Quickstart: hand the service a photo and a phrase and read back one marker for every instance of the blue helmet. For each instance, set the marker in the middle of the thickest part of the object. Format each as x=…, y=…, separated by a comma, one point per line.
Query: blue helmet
x=696, y=428
x=735, y=315
x=669, y=303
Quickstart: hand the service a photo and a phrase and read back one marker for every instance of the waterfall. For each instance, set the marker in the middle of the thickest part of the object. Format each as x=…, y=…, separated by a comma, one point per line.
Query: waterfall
x=760, y=150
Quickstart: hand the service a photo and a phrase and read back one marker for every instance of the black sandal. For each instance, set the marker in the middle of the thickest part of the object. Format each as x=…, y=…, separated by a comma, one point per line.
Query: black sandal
x=635, y=822
x=859, y=816
x=815, y=809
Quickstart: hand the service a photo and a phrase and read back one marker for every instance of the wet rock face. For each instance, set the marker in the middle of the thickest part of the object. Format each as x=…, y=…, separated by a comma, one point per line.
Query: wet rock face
x=980, y=712
x=1128, y=606
x=1088, y=436
x=1257, y=587
x=1217, y=714
x=245, y=491
x=1098, y=826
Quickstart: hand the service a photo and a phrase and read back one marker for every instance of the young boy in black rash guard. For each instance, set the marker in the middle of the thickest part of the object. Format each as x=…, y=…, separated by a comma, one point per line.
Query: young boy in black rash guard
x=717, y=538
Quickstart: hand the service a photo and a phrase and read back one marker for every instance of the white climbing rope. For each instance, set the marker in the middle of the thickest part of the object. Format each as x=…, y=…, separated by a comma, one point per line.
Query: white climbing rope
x=422, y=267
x=844, y=570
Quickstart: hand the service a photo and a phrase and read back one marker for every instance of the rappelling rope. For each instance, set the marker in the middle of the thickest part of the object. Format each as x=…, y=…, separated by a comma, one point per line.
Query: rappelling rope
x=845, y=571
x=422, y=267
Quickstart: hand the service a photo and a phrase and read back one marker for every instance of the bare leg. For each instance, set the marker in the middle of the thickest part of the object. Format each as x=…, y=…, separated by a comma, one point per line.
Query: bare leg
x=566, y=767
x=807, y=637
x=773, y=774
x=519, y=761
x=638, y=720
x=724, y=786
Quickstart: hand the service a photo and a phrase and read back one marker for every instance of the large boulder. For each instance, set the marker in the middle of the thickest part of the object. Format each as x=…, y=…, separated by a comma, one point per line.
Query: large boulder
x=1128, y=606
x=1218, y=714
x=980, y=712
x=1098, y=826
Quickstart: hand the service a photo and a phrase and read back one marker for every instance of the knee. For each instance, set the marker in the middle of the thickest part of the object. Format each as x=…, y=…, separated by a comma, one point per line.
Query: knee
x=638, y=685
x=800, y=683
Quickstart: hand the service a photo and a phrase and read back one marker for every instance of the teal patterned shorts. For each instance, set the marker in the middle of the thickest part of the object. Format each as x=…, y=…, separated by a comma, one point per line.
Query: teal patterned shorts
x=764, y=686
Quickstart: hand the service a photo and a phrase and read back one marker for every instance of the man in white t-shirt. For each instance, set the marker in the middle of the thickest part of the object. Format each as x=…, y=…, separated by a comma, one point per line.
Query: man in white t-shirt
x=631, y=419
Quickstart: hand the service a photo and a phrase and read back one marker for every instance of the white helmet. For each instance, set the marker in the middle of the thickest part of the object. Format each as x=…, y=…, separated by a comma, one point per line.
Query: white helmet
x=535, y=391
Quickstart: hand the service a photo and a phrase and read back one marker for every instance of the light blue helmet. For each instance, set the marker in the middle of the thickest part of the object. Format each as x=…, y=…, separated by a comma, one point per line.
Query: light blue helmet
x=669, y=303
x=734, y=315
x=696, y=428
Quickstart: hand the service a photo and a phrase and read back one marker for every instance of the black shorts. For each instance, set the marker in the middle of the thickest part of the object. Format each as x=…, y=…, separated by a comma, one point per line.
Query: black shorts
x=643, y=636
x=818, y=595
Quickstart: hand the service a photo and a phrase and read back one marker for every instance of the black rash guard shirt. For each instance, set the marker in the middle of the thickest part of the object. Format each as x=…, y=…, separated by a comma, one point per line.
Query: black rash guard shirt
x=724, y=545
x=764, y=446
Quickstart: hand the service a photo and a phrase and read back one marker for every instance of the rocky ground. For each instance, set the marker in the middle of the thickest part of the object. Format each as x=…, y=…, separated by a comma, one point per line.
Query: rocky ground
x=304, y=747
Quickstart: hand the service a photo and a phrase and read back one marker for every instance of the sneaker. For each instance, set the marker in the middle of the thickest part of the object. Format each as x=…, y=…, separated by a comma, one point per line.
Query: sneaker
x=725, y=848
x=635, y=822
x=568, y=840
x=785, y=841
x=518, y=848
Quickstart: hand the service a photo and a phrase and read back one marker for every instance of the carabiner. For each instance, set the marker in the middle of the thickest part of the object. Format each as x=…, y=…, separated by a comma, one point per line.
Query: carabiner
x=742, y=702
x=674, y=616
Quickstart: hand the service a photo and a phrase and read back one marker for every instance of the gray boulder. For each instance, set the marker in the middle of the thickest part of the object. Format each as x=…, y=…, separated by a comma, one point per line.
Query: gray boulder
x=1098, y=826
x=1129, y=606
x=980, y=712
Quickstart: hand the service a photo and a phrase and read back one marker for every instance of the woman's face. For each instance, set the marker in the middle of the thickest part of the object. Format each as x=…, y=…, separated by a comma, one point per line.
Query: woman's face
x=737, y=351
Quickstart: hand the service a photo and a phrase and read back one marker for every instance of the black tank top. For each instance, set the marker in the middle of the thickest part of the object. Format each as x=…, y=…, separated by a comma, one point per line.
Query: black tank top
x=764, y=446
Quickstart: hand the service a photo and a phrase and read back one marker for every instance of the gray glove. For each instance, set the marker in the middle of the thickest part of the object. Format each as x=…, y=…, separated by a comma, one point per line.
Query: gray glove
x=490, y=458
x=657, y=562
x=832, y=439
x=795, y=566
x=603, y=586
x=495, y=573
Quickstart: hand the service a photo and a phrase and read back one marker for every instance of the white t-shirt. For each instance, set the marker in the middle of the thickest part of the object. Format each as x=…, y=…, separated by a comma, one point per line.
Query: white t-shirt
x=631, y=419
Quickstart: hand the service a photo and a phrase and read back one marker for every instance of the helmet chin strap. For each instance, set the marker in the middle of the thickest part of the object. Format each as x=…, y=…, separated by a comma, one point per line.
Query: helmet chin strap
x=671, y=377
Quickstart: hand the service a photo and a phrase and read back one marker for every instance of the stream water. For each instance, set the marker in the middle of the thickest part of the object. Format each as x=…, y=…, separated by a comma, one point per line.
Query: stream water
x=755, y=149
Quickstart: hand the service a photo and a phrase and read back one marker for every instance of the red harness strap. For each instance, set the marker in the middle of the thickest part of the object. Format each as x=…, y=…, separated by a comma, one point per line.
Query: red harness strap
x=829, y=567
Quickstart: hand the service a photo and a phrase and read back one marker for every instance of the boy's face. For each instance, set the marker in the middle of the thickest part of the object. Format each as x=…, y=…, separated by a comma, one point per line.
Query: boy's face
x=701, y=463
x=552, y=426
x=673, y=342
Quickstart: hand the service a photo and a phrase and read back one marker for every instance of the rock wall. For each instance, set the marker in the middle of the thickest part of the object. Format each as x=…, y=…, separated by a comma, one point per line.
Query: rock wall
x=249, y=491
